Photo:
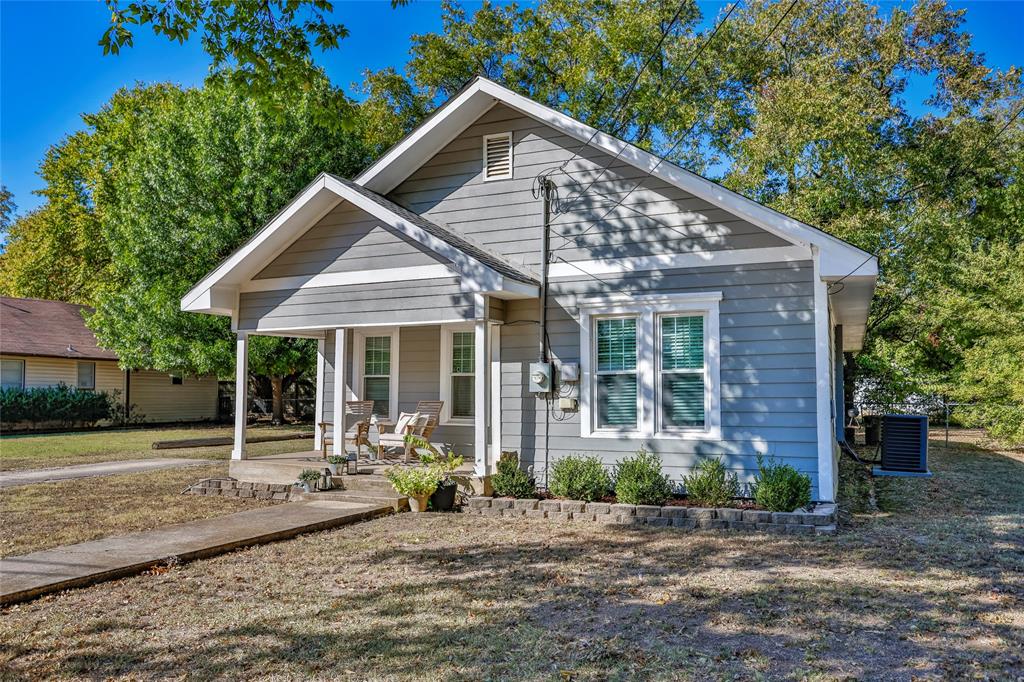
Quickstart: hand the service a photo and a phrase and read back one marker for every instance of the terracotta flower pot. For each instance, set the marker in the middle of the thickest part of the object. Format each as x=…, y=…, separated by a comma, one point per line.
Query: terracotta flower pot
x=418, y=503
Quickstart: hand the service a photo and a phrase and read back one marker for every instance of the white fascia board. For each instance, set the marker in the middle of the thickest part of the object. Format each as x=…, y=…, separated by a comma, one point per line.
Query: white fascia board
x=349, y=277
x=313, y=202
x=839, y=258
x=676, y=261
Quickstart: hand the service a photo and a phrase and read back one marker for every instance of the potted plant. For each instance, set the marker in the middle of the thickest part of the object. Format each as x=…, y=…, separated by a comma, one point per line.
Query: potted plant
x=308, y=479
x=443, y=498
x=418, y=483
x=334, y=461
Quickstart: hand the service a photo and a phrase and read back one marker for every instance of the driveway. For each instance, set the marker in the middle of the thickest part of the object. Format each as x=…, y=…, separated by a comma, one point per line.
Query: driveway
x=9, y=479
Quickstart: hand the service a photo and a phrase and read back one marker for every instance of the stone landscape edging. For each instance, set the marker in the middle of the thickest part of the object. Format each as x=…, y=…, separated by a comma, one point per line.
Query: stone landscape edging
x=821, y=520
x=229, y=487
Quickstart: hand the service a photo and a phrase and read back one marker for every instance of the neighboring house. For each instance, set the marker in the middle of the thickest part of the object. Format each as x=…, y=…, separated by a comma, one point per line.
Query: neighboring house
x=701, y=323
x=45, y=343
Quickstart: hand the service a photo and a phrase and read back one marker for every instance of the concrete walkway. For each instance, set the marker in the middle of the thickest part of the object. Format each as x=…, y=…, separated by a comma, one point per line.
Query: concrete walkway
x=31, y=575
x=9, y=479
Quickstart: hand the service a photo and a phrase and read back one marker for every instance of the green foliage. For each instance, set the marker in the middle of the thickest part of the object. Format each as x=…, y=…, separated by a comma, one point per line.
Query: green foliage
x=576, y=477
x=445, y=466
x=639, y=480
x=414, y=481
x=58, y=404
x=712, y=484
x=780, y=487
x=337, y=459
x=510, y=480
x=310, y=476
x=261, y=47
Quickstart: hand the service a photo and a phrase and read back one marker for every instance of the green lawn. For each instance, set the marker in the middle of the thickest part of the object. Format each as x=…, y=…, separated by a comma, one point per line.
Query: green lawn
x=63, y=449
x=927, y=583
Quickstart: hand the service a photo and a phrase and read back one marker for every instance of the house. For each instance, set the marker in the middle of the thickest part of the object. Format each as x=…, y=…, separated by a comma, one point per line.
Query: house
x=45, y=343
x=677, y=315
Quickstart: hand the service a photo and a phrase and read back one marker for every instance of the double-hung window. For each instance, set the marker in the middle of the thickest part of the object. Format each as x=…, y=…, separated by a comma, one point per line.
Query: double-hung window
x=616, y=373
x=683, y=388
x=377, y=373
x=87, y=376
x=13, y=373
x=458, y=374
x=650, y=366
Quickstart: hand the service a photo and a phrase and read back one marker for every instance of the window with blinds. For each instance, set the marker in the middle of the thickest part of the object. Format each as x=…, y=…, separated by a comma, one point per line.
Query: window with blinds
x=498, y=156
x=377, y=373
x=682, y=371
x=616, y=373
x=87, y=376
x=13, y=373
x=463, y=393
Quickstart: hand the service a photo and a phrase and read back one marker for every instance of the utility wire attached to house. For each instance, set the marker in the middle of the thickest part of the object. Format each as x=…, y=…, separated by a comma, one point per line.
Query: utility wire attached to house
x=661, y=159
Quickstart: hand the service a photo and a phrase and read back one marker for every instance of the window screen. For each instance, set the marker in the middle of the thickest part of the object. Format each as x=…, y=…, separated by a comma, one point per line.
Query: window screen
x=87, y=376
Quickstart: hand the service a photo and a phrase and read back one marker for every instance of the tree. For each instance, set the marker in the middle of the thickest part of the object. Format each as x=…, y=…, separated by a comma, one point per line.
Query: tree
x=167, y=183
x=262, y=48
x=802, y=105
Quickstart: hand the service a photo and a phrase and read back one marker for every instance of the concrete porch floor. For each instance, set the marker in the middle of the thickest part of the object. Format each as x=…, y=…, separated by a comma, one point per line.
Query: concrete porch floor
x=285, y=468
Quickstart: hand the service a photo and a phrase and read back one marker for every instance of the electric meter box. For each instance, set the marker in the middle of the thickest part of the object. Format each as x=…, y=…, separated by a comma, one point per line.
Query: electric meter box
x=540, y=377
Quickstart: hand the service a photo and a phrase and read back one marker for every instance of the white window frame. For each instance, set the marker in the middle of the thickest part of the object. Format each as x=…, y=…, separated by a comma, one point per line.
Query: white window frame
x=649, y=309
x=704, y=373
x=511, y=156
x=445, y=391
x=636, y=371
x=78, y=376
x=359, y=362
x=22, y=363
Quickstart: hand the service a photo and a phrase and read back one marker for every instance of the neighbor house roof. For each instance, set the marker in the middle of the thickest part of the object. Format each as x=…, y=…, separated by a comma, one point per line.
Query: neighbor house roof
x=32, y=326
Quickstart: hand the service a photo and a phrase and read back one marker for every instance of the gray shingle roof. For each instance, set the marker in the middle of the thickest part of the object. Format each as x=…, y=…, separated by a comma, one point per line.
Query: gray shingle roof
x=447, y=235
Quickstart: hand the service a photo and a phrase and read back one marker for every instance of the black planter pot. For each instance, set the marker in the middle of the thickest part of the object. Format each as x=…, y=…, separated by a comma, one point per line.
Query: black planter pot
x=443, y=498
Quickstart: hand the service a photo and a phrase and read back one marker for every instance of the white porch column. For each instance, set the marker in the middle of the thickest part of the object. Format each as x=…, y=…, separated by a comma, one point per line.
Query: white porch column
x=340, y=393
x=482, y=397
x=241, y=394
x=495, y=415
x=318, y=409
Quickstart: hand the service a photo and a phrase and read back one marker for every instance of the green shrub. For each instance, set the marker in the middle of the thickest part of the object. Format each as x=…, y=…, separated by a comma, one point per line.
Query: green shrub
x=61, y=404
x=579, y=478
x=712, y=485
x=413, y=481
x=510, y=480
x=780, y=487
x=638, y=480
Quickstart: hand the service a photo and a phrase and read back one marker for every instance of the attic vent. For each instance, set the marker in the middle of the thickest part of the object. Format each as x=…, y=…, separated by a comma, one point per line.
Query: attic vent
x=497, y=156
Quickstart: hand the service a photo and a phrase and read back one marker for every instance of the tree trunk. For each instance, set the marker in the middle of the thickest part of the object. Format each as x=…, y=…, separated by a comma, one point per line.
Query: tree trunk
x=277, y=389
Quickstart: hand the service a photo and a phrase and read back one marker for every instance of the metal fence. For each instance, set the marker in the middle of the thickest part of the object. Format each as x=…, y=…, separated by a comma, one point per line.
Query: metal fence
x=937, y=410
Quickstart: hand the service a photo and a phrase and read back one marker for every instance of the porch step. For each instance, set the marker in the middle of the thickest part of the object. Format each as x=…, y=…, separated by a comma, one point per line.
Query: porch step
x=391, y=499
x=362, y=482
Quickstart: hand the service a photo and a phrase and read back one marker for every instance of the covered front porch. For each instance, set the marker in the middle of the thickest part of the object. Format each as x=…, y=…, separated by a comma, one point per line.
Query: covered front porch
x=398, y=368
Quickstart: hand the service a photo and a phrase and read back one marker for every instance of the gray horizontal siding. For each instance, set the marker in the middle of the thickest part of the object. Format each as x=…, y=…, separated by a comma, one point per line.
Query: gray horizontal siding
x=654, y=218
x=378, y=303
x=767, y=370
x=419, y=378
x=347, y=239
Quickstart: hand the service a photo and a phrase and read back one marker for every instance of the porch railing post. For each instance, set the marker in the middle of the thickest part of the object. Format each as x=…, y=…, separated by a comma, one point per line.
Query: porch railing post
x=241, y=394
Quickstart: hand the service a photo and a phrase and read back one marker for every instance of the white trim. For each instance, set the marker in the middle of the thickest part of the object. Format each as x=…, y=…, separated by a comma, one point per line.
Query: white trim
x=823, y=384
x=504, y=176
x=445, y=389
x=481, y=357
x=293, y=331
x=336, y=279
x=340, y=382
x=495, y=414
x=461, y=110
x=647, y=309
x=674, y=261
x=241, y=395
x=318, y=409
x=359, y=360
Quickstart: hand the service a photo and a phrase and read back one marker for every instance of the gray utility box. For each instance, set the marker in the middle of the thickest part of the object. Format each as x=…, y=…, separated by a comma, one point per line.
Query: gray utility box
x=540, y=377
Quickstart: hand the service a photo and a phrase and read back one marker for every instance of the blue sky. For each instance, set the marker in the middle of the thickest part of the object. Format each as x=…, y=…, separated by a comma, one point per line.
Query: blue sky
x=52, y=70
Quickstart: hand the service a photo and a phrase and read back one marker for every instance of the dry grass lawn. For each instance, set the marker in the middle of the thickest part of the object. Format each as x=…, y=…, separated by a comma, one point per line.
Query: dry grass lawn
x=46, y=515
x=37, y=451
x=930, y=587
